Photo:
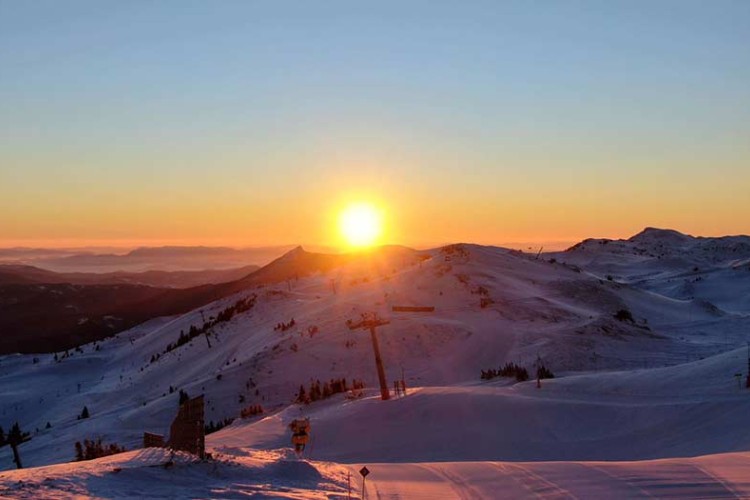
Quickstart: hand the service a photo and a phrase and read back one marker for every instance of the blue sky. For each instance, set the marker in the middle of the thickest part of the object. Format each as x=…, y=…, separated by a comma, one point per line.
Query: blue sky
x=505, y=120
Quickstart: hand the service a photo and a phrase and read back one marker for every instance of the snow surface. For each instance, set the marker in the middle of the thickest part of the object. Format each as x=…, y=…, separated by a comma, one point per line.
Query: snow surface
x=153, y=473
x=660, y=387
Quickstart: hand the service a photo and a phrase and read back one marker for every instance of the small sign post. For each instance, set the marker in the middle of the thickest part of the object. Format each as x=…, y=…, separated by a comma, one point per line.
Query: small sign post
x=364, y=471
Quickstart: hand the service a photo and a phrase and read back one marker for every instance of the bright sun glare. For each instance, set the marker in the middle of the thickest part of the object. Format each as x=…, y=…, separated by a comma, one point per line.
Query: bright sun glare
x=361, y=225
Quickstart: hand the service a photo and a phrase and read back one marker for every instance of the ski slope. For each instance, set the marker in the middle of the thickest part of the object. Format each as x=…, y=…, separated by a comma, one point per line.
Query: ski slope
x=154, y=474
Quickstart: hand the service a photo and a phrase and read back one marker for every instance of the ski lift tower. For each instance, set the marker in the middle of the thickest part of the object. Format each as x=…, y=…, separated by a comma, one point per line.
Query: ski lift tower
x=370, y=321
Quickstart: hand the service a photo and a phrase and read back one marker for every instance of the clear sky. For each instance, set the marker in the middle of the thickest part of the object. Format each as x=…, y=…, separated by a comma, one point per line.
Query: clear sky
x=251, y=123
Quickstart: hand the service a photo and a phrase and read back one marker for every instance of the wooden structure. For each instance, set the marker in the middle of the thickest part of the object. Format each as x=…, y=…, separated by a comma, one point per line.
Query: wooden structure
x=153, y=440
x=187, y=432
x=427, y=309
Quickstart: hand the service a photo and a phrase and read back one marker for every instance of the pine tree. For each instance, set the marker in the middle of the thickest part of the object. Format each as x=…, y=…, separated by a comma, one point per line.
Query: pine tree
x=14, y=438
x=85, y=412
x=96, y=449
x=544, y=372
x=16, y=435
x=301, y=395
x=522, y=375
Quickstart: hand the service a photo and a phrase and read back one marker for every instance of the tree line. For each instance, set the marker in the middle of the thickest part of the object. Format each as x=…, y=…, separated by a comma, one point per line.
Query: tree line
x=509, y=370
x=512, y=370
x=318, y=391
x=224, y=316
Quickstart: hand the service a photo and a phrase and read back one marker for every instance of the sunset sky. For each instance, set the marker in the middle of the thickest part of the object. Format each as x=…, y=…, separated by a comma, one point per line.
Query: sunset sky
x=257, y=123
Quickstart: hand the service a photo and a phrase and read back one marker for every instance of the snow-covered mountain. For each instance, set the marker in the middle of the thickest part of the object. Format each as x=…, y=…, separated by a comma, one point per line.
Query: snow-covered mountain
x=641, y=372
x=672, y=264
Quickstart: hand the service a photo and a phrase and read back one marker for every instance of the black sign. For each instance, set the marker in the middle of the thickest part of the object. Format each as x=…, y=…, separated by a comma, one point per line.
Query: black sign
x=364, y=471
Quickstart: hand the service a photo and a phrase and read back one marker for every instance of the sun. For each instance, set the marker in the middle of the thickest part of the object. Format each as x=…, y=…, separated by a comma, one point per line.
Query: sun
x=361, y=225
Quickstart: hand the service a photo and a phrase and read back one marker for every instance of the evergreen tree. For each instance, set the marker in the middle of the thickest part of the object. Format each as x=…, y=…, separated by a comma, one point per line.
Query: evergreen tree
x=96, y=449
x=85, y=412
x=544, y=372
x=14, y=438
x=301, y=395
x=16, y=435
x=624, y=315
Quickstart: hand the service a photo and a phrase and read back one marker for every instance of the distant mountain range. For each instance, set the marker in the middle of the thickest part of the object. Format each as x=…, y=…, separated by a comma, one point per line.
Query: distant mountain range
x=44, y=311
x=14, y=274
x=170, y=258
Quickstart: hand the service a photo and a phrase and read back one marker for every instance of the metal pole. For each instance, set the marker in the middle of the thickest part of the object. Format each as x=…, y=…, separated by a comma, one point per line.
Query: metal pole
x=384, y=393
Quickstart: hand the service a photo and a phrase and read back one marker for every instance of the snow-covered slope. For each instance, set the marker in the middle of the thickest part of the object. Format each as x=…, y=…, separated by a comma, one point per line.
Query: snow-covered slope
x=672, y=264
x=637, y=387
x=683, y=410
x=154, y=474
